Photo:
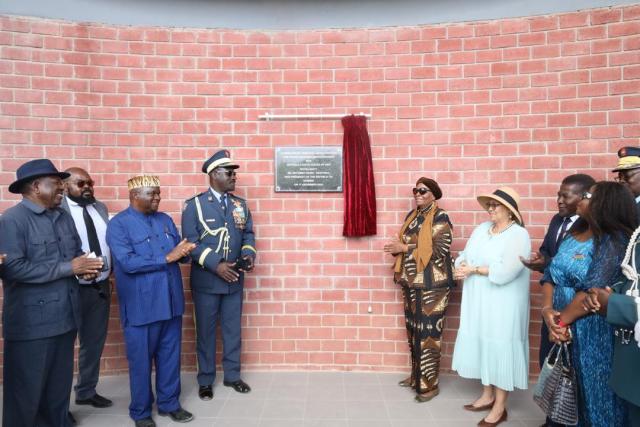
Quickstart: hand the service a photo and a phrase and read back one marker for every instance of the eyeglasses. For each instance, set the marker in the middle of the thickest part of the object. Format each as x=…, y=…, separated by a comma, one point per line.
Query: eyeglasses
x=586, y=195
x=228, y=173
x=492, y=205
x=422, y=191
x=81, y=183
x=623, y=176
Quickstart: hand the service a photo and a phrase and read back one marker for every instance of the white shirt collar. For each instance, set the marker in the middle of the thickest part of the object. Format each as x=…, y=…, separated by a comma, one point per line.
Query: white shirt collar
x=72, y=203
x=573, y=218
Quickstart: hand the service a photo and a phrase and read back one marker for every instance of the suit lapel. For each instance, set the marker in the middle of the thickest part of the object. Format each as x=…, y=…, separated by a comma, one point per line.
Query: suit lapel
x=102, y=210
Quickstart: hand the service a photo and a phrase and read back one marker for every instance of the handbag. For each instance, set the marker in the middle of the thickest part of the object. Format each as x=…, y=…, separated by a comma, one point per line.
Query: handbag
x=559, y=399
x=545, y=371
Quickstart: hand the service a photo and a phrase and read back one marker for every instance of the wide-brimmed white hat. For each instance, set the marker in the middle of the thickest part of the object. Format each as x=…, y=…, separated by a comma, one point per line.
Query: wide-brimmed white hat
x=508, y=197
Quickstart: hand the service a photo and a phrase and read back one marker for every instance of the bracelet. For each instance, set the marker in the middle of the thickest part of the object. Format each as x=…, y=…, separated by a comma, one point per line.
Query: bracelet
x=562, y=324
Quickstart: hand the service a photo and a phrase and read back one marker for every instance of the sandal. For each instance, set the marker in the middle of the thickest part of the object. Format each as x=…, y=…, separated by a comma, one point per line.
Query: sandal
x=425, y=397
x=407, y=382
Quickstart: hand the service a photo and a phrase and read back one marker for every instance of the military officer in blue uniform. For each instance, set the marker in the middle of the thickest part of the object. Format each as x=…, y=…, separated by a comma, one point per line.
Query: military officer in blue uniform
x=628, y=170
x=145, y=248
x=220, y=225
x=621, y=306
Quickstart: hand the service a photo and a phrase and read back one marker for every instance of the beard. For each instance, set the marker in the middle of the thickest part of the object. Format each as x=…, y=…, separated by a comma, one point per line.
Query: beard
x=83, y=201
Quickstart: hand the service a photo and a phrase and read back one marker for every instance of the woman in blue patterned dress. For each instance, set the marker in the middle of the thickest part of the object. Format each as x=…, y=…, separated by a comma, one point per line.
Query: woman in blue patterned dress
x=590, y=257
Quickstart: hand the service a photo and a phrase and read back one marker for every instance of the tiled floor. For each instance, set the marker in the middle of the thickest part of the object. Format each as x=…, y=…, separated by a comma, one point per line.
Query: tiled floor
x=315, y=399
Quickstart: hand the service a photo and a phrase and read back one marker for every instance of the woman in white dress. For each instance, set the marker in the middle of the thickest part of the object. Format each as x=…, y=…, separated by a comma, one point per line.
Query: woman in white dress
x=493, y=340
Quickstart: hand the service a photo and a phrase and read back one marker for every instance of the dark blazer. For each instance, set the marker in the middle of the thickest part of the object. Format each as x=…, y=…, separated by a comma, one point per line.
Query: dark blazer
x=40, y=289
x=209, y=251
x=549, y=247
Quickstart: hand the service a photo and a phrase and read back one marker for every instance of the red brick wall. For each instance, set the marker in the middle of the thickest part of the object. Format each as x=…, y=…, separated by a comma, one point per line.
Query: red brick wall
x=521, y=102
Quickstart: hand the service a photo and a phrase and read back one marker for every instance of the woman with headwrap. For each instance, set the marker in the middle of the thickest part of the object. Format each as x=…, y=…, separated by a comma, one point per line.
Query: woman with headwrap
x=423, y=269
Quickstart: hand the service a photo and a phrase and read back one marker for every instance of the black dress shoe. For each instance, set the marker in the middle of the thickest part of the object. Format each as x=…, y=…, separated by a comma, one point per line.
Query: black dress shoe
x=239, y=386
x=179, y=416
x=205, y=392
x=96, y=401
x=146, y=422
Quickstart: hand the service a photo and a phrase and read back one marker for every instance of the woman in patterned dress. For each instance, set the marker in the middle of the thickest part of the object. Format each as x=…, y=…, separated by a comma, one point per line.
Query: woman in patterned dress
x=423, y=269
x=590, y=257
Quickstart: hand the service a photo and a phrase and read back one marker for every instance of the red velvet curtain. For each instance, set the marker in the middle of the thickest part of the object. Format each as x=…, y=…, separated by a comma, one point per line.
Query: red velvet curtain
x=359, y=189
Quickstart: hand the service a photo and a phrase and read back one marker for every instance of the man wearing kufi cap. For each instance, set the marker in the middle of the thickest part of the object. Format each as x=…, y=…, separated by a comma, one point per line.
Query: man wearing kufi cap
x=41, y=309
x=628, y=170
x=220, y=225
x=146, y=248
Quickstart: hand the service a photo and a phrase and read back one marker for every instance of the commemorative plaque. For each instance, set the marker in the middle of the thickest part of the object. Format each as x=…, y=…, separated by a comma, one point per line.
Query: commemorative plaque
x=309, y=169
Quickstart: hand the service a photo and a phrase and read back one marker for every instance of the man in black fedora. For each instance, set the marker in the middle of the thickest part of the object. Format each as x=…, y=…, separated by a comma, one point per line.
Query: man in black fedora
x=40, y=307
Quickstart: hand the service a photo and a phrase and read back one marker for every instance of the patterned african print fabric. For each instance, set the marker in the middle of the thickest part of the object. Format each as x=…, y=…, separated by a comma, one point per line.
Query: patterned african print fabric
x=426, y=296
x=424, y=315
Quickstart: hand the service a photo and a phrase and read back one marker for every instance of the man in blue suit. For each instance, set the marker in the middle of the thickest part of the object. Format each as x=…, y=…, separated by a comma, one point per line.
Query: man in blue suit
x=146, y=247
x=219, y=224
x=41, y=311
x=569, y=195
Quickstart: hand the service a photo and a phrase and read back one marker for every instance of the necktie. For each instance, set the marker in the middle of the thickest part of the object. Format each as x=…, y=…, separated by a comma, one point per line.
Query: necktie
x=223, y=203
x=92, y=235
x=563, y=231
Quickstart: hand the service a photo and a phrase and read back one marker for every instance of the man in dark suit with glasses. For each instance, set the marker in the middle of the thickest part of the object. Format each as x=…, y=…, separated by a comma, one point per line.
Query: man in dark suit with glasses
x=90, y=217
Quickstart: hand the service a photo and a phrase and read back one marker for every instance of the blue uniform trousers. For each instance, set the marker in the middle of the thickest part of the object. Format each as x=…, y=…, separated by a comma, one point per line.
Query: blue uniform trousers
x=207, y=309
x=156, y=344
x=37, y=381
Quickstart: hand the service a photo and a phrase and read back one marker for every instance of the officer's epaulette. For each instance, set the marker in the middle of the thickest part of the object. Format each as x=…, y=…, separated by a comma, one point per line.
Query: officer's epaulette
x=193, y=197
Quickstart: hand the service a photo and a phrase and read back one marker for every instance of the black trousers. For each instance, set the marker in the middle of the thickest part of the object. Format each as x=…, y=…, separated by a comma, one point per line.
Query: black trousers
x=37, y=381
x=94, y=311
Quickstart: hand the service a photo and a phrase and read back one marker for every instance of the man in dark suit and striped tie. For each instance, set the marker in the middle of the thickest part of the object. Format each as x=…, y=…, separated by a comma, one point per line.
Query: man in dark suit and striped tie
x=569, y=194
